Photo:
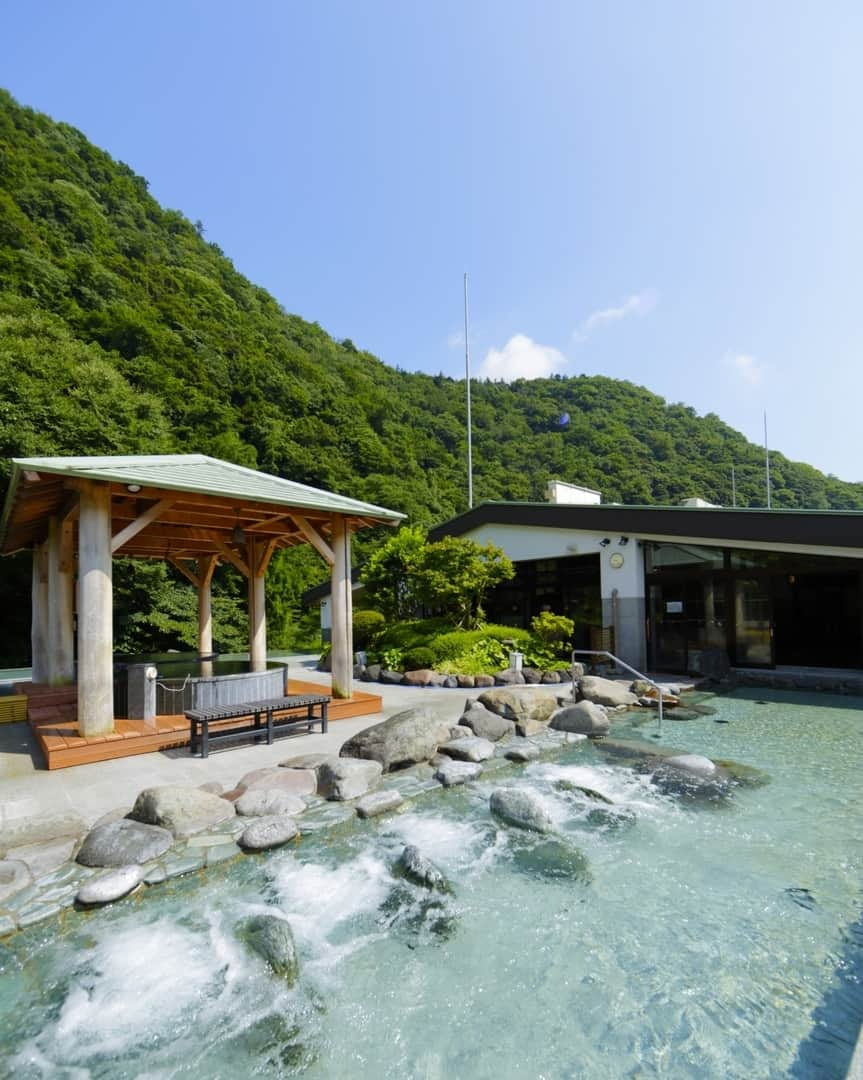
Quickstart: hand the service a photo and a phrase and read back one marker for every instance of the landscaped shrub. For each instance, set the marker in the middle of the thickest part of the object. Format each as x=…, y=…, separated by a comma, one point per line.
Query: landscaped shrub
x=554, y=630
x=412, y=634
x=368, y=626
x=418, y=657
x=448, y=646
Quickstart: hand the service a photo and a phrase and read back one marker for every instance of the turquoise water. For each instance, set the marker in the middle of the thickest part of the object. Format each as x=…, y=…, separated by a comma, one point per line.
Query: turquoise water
x=701, y=940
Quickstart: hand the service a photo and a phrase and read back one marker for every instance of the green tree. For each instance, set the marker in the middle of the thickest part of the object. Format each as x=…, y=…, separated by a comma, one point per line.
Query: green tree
x=454, y=576
x=390, y=575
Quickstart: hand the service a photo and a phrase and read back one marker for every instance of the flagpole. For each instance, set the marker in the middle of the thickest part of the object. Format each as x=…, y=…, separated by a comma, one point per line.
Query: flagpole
x=467, y=386
x=766, y=461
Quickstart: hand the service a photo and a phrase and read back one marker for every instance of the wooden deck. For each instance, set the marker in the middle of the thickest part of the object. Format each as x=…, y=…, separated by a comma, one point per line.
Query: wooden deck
x=56, y=729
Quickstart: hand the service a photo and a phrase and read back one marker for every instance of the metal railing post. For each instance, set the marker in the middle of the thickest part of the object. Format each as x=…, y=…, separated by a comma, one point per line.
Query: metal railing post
x=619, y=663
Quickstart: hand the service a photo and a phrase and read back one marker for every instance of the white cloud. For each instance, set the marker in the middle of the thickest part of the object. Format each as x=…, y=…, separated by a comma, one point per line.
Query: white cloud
x=521, y=358
x=639, y=304
x=750, y=370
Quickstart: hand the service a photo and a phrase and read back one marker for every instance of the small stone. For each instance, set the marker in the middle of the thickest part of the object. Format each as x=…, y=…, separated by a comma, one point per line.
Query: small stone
x=459, y=731
x=470, y=749
x=14, y=876
x=378, y=802
x=269, y=803
x=532, y=676
x=268, y=832
x=528, y=752
x=550, y=678
x=392, y=678
x=450, y=682
x=111, y=885
x=296, y=781
x=414, y=866
x=483, y=680
x=347, y=778
x=509, y=678
x=452, y=773
x=271, y=938
x=465, y=682
x=421, y=677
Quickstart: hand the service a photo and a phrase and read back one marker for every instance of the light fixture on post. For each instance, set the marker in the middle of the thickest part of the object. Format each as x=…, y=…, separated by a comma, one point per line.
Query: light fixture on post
x=237, y=534
x=133, y=488
x=605, y=542
x=623, y=541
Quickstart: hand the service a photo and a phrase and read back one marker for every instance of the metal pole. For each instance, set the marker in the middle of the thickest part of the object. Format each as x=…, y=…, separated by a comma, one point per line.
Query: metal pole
x=733, y=489
x=766, y=460
x=467, y=386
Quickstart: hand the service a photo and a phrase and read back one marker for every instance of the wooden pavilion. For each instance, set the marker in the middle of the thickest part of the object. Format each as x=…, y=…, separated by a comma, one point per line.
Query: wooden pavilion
x=76, y=513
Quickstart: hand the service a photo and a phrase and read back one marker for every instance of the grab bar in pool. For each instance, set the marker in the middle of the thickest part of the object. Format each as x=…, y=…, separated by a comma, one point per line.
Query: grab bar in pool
x=620, y=663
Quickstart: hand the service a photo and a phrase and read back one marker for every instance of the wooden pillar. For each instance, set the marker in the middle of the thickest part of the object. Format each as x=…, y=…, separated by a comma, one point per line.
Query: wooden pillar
x=342, y=654
x=39, y=615
x=206, y=566
x=257, y=605
x=95, y=616
x=61, y=598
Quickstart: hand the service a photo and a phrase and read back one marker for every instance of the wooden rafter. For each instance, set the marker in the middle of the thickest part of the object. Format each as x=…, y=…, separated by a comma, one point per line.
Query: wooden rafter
x=315, y=539
x=141, y=522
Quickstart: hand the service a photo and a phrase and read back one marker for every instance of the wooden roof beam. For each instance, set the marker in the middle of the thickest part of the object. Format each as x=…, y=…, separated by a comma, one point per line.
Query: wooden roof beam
x=141, y=522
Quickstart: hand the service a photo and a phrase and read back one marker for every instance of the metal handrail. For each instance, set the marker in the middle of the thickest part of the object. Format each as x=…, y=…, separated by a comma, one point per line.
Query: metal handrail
x=620, y=663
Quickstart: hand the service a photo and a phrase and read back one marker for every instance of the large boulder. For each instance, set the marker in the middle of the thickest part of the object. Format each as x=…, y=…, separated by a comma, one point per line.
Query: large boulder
x=270, y=937
x=407, y=738
x=347, y=778
x=181, y=810
x=606, y=691
x=520, y=808
x=470, y=749
x=530, y=710
x=123, y=843
x=584, y=718
x=692, y=776
x=486, y=724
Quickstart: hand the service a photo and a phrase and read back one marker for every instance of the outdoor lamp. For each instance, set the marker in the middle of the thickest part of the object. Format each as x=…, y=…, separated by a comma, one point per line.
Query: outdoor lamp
x=605, y=542
x=623, y=541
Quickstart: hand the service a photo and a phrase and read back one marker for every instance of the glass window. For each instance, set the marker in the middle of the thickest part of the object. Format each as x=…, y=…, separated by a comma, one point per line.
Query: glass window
x=683, y=556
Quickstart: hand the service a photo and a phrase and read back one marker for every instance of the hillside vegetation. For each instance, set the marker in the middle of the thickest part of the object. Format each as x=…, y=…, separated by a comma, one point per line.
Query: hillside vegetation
x=122, y=330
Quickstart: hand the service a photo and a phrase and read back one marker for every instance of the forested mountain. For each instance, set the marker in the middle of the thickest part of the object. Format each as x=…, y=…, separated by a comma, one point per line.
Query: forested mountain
x=122, y=330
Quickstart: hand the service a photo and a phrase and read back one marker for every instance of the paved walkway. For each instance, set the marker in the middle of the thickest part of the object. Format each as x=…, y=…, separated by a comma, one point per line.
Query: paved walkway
x=28, y=789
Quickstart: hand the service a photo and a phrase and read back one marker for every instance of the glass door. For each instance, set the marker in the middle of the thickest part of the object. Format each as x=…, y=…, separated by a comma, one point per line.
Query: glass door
x=753, y=623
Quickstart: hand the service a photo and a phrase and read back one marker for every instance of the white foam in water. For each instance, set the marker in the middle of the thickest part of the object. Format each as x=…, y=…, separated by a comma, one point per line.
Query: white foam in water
x=450, y=843
x=622, y=786
x=168, y=972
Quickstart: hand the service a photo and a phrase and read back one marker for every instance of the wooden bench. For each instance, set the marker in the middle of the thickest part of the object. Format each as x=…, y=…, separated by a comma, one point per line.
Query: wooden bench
x=256, y=719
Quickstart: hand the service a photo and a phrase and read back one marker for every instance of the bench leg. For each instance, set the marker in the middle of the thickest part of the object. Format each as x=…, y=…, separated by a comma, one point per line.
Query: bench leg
x=257, y=725
x=269, y=727
x=205, y=738
x=324, y=718
x=193, y=736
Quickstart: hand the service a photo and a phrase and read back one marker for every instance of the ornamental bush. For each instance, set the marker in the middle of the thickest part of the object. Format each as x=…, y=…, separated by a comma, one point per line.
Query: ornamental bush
x=368, y=626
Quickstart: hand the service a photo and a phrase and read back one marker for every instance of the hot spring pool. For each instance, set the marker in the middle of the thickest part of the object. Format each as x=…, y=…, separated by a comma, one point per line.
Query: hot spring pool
x=692, y=940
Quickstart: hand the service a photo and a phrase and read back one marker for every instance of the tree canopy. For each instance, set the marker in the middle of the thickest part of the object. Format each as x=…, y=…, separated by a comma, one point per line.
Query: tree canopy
x=122, y=330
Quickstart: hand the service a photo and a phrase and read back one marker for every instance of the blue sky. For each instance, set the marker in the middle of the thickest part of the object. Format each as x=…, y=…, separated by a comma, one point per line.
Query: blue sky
x=670, y=193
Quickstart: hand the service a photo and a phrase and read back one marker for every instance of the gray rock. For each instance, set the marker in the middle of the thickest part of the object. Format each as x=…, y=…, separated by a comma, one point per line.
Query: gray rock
x=42, y=859
x=471, y=749
x=270, y=937
x=14, y=876
x=420, y=677
x=520, y=808
x=372, y=673
x=483, y=680
x=550, y=678
x=552, y=860
x=450, y=682
x=404, y=739
x=532, y=675
x=182, y=810
x=606, y=691
x=421, y=871
x=269, y=802
x=347, y=778
x=268, y=832
x=378, y=802
x=530, y=709
x=282, y=778
x=465, y=682
x=124, y=843
x=486, y=724
x=568, y=786
x=110, y=885
x=38, y=830
x=509, y=678
x=452, y=773
x=112, y=815
x=527, y=752
x=459, y=731
x=392, y=678
x=694, y=764
x=692, y=776
x=585, y=718
x=306, y=761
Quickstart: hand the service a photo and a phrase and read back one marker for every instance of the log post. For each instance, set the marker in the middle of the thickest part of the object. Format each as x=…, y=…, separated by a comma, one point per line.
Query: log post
x=95, y=616
x=342, y=666
x=39, y=616
x=206, y=566
x=61, y=594
x=257, y=606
